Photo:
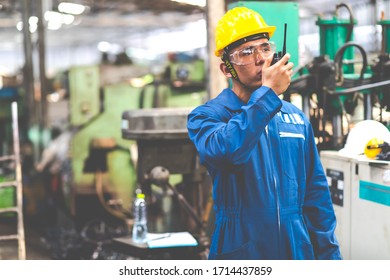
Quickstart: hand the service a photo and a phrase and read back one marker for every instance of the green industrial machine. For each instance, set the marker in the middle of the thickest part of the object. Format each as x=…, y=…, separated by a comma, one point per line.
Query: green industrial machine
x=183, y=84
x=103, y=163
x=381, y=70
x=100, y=159
x=338, y=79
x=84, y=88
x=334, y=33
x=89, y=170
x=385, y=24
x=187, y=83
x=336, y=42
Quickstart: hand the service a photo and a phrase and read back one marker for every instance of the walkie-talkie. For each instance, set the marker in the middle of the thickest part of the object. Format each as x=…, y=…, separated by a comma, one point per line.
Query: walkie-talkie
x=280, y=54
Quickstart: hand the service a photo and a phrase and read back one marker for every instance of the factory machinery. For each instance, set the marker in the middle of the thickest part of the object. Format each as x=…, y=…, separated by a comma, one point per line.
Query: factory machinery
x=336, y=84
x=329, y=86
x=126, y=139
x=121, y=139
x=347, y=100
x=95, y=169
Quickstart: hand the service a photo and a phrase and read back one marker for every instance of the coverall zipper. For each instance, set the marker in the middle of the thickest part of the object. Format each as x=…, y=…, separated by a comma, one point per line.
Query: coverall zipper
x=275, y=184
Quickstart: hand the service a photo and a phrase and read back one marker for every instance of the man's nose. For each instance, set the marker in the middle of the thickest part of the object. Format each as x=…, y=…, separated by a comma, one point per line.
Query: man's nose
x=259, y=58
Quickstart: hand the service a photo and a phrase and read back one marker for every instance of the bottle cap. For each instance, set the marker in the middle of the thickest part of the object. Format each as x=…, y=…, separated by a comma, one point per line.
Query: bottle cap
x=140, y=195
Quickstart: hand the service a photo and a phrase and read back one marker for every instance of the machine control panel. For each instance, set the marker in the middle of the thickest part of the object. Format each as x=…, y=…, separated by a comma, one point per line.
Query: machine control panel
x=336, y=185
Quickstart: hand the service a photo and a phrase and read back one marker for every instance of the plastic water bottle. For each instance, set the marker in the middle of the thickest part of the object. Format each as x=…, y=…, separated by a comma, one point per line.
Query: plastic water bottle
x=140, y=228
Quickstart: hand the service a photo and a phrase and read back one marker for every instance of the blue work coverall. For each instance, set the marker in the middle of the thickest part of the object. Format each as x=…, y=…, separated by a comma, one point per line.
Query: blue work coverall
x=271, y=196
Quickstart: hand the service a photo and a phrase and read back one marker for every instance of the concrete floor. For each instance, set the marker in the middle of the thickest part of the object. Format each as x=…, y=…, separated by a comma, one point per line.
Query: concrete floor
x=35, y=245
x=53, y=243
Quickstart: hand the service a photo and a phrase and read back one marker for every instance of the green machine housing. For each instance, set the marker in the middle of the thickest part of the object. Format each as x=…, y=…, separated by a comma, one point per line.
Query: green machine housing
x=97, y=149
x=333, y=34
x=97, y=145
x=385, y=35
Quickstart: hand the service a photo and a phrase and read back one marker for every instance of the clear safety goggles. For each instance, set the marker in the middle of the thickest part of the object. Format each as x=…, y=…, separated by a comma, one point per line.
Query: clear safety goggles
x=250, y=54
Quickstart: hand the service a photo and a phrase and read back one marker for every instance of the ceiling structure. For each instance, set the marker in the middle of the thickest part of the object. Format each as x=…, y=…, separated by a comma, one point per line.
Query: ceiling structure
x=113, y=21
x=129, y=23
x=118, y=20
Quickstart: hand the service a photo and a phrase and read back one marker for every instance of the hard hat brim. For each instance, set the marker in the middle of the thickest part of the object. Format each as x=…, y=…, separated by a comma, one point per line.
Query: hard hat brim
x=270, y=30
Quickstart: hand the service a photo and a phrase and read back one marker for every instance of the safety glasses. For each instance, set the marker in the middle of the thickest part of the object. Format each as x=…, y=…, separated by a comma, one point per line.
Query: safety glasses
x=250, y=54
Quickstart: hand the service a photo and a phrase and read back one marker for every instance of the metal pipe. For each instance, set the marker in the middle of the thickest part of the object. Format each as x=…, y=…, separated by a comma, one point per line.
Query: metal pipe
x=359, y=88
x=28, y=72
x=215, y=81
x=42, y=66
x=367, y=107
x=337, y=130
x=187, y=206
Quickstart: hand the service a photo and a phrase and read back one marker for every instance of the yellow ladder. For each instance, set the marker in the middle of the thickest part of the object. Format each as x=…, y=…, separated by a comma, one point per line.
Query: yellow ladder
x=17, y=183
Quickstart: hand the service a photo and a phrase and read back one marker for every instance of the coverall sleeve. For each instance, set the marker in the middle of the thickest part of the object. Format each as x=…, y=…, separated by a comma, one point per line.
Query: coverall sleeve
x=222, y=137
x=318, y=208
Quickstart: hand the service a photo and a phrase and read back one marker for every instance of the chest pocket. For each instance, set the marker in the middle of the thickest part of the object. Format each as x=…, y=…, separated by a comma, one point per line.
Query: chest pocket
x=292, y=143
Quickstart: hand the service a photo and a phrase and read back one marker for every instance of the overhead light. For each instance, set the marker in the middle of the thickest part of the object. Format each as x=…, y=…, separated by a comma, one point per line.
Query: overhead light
x=200, y=3
x=71, y=8
x=104, y=46
x=56, y=20
x=32, y=22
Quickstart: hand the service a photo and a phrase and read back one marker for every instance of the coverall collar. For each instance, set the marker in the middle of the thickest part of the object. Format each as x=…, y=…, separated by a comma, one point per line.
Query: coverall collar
x=231, y=100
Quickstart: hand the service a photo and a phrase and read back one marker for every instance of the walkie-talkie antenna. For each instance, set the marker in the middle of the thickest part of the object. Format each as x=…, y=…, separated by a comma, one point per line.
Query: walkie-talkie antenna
x=278, y=55
x=284, y=41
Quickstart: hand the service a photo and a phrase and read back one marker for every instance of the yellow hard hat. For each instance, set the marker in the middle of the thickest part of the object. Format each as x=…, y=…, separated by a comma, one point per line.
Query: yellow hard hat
x=373, y=148
x=239, y=23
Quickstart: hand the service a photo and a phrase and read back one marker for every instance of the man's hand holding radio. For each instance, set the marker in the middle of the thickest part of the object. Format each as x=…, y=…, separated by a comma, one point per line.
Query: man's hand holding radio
x=277, y=76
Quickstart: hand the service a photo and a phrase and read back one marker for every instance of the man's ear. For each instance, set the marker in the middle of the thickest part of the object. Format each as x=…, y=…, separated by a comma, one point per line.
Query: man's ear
x=225, y=70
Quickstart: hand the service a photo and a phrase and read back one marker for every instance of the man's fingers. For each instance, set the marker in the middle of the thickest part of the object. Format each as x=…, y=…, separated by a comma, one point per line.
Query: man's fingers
x=285, y=58
x=290, y=66
x=268, y=61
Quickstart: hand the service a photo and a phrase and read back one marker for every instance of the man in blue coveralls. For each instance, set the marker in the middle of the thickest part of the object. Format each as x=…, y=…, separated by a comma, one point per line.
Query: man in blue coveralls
x=271, y=196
